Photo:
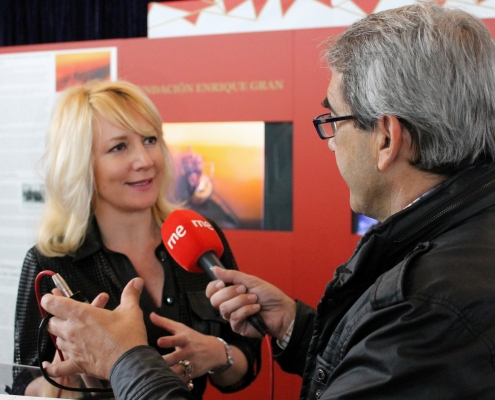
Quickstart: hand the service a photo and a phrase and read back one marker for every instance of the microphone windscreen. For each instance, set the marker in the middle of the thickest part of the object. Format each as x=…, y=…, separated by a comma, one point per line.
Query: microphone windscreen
x=187, y=235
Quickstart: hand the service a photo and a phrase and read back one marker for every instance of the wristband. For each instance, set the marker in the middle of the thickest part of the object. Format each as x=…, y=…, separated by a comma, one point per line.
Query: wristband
x=230, y=360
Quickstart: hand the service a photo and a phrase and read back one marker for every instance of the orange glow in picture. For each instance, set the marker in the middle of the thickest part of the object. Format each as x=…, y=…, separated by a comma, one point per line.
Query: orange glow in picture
x=219, y=170
x=78, y=68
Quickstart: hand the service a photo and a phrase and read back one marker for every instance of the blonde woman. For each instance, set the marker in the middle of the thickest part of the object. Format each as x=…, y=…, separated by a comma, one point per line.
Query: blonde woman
x=107, y=172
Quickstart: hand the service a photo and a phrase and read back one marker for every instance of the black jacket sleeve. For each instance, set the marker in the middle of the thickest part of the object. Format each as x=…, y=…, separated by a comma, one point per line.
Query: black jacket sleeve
x=142, y=374
x=293, y=358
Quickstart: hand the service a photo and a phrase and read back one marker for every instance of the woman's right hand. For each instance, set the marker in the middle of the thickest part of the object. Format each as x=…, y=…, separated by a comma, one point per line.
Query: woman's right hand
x=73, y=381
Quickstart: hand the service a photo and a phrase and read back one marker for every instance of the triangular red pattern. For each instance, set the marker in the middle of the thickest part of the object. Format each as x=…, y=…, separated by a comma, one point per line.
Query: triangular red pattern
x=188, y=5
x=192, y=18
x=286, y=4
x=440, y=2
x=258, y=6
x=326, y=2
x=368, y=6
x=231, y=4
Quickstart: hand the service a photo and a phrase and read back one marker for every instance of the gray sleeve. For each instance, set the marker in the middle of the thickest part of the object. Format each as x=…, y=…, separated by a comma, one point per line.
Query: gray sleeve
x=142, y=374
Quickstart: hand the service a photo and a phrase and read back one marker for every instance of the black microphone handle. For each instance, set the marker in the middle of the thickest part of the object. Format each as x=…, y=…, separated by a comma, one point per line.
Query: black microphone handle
x=209, y=260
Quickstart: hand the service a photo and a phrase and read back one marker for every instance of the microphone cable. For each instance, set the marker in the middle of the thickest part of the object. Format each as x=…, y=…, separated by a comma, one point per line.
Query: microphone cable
x=268, y=341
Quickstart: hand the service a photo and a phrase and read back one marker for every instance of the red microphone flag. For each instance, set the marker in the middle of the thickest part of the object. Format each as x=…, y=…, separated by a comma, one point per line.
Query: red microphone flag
x=187, y=235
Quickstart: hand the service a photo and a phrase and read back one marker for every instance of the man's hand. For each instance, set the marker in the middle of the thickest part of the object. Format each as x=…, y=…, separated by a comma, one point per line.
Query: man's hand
x=249, y=295
x=39, y=387
x=94, y=338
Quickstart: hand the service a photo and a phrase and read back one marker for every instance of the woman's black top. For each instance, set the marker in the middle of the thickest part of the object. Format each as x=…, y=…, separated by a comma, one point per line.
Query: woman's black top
x=94, y=269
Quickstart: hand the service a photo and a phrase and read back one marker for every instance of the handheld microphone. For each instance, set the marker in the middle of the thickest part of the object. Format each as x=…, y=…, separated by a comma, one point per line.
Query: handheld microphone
x=195, y=245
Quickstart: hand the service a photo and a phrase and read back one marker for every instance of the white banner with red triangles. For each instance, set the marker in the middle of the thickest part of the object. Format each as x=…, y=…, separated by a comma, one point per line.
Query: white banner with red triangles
x=208, y=17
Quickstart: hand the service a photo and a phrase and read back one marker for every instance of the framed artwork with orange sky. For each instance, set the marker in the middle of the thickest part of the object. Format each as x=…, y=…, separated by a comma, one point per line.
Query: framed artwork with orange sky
x=220, y=170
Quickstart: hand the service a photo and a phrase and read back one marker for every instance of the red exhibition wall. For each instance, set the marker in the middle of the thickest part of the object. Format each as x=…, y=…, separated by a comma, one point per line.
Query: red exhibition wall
x=274, y=77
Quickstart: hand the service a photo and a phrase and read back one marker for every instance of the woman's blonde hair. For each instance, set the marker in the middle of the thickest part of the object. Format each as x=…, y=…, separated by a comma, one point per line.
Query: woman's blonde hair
x=68, y=160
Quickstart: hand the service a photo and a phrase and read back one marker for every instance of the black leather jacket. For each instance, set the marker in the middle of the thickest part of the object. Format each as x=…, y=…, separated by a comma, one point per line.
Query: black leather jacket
x=411, y=315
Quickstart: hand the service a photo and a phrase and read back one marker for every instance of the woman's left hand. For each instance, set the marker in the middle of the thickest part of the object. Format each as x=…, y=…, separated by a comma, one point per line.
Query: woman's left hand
x=195, y=354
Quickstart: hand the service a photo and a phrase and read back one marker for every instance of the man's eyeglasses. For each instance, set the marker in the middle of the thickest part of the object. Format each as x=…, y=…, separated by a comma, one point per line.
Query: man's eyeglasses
x=326, y=125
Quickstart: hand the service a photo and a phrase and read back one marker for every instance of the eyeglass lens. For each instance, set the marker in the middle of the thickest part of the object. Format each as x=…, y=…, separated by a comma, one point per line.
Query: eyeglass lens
x=327, y=128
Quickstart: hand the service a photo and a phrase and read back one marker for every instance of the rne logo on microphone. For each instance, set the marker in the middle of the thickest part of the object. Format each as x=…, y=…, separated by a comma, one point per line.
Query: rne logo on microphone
x=198, y=223
x=174, y=237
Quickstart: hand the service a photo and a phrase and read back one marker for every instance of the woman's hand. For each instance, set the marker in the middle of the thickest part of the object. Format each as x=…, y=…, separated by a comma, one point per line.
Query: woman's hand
x=39, y=387
x=203, y=352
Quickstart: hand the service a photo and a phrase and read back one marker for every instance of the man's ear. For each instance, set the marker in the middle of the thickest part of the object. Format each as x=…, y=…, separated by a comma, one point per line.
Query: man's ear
x=388, y=140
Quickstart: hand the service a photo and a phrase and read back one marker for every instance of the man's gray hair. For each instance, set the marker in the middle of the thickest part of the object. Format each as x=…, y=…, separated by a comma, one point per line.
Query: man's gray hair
x=431, y=67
